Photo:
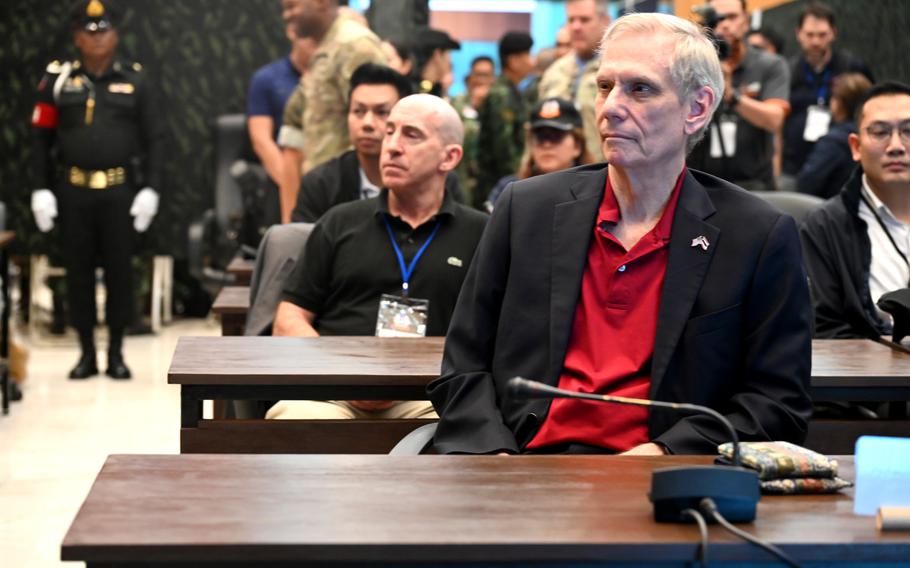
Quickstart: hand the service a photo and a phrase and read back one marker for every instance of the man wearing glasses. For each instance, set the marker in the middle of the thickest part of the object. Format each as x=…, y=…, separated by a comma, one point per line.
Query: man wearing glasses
x=858, y=244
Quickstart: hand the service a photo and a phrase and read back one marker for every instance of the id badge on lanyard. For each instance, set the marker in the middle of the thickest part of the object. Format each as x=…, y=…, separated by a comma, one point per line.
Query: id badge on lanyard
x=400, y=316
x=723, y=137
x=404, y=316
x=818, y=120
x=818, y=116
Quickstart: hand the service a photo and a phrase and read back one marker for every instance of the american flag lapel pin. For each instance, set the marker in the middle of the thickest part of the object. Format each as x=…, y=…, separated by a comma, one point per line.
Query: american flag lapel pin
x=701, y=241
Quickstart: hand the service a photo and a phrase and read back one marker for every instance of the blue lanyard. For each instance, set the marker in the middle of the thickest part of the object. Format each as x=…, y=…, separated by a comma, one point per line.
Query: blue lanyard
x=821, y=91
x=407, y=271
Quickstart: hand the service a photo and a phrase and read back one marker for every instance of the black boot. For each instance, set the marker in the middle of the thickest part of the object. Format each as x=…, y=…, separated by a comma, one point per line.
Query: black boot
x=116, y=367
x=87, y=365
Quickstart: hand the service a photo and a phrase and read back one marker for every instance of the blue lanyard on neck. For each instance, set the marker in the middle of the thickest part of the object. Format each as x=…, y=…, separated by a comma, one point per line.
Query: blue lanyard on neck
x=821, y=91
x=407, y=271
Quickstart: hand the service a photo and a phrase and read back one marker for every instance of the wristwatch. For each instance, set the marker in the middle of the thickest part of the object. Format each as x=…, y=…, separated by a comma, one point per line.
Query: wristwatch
x=735, y=98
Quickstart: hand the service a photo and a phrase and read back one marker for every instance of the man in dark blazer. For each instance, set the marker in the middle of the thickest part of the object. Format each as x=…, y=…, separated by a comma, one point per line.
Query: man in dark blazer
x=641, y=278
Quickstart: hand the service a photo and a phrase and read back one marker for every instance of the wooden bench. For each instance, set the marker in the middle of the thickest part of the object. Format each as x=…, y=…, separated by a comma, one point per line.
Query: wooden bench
x=242, y=270
x=232, y=305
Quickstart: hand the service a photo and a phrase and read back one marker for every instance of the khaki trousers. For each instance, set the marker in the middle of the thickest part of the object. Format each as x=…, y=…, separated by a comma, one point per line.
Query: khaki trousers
x=341, y=409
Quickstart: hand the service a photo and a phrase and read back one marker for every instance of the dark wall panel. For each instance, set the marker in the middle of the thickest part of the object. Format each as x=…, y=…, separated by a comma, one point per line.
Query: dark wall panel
x=201, y=54
x=875, y=30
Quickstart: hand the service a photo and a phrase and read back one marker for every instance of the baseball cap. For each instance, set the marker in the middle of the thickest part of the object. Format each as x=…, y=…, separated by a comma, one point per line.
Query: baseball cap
x=555, y=113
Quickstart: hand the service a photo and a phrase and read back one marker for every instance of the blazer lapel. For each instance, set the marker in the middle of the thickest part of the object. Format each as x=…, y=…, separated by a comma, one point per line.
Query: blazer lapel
x=687, y=265
x=573, y=226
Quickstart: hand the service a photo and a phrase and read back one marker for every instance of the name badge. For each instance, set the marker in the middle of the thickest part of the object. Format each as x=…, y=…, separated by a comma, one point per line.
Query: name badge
x=723, y=138
x=818, y=120
x=402, y=317
x=124, y=88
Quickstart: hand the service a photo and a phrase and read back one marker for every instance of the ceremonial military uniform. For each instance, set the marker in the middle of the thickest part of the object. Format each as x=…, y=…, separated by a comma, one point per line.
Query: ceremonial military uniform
x=564, y=80
x=96, y=141
x=315, y=119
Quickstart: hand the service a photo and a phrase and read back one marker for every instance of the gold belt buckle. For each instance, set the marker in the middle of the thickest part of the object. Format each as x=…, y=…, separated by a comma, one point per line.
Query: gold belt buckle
x=98, y=180
x=77, y=177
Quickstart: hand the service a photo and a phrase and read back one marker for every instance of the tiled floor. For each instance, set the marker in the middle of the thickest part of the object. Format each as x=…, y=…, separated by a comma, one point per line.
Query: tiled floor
x=54, y=441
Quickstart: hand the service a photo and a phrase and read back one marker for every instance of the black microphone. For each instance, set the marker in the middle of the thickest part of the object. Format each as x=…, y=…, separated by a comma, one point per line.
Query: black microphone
x=734, y=489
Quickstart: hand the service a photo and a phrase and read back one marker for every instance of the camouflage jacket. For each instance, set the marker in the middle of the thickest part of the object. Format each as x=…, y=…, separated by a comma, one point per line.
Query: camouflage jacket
x=560, y=80
x=318, y=107
x=503, y=116
x=468, y=168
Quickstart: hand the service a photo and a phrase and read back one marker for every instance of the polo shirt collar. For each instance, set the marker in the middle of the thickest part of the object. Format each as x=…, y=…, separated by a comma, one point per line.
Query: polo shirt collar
x=447, y=209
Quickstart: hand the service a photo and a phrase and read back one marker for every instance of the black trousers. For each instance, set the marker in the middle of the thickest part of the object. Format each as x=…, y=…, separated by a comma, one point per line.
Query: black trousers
x=97, y=230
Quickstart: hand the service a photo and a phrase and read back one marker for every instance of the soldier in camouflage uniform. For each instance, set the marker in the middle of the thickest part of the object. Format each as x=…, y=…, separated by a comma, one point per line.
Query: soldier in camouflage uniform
x=573, y=76
x=503, y=116
x=478, y=84
x=315, y=119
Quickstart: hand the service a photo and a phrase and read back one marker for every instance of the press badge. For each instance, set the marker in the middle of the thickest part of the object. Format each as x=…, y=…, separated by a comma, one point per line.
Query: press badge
x=401, y=316
x=727, y=135
x=818, y=119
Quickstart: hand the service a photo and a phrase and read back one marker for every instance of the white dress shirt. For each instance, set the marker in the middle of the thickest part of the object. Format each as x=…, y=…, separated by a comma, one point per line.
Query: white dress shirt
x=367, y=188
x=887, y=271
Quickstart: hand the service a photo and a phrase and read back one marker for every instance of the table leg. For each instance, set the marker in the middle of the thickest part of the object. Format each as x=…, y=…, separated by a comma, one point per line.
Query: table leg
x=190, y=408
x=4, y=331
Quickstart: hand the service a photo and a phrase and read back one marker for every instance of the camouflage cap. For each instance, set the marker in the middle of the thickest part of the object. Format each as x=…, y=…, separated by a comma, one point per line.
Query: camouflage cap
x=93, y=15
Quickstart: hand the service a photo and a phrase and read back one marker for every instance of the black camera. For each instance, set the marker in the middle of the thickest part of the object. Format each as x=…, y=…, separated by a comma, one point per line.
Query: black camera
x=709, y=19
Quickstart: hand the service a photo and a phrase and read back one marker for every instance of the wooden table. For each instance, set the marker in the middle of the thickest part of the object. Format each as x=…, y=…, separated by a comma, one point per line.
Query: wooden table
x=231, y=306
x=6, y=237
x=858, y=370
x=242, y=269
x=350, y=368
x=334, y=510
x=292, y=368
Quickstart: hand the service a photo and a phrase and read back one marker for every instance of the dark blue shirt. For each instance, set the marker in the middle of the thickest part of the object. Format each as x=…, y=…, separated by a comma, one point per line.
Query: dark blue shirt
x=806, y=88
x=270, y=89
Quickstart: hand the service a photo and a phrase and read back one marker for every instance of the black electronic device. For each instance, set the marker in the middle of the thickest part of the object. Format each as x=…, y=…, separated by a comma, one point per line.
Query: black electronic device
x=709, y=19
x=734, y=489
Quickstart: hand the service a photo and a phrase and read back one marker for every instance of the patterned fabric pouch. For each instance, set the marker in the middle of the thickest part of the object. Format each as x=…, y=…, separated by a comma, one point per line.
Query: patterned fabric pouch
x=786, y=468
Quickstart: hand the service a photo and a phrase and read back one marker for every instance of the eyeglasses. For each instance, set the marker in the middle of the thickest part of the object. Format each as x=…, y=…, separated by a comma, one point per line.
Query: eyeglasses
x=551, y=135
x=881, y=131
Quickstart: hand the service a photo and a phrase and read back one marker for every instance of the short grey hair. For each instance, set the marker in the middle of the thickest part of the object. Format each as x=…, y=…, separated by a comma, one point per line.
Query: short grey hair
x=693, y=64
x=602, y=6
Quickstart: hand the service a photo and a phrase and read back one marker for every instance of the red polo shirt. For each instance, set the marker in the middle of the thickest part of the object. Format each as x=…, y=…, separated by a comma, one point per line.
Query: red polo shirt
x=612, y=340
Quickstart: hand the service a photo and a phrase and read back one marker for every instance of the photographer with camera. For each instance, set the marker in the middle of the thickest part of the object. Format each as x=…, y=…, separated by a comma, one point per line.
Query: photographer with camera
x=739, y=146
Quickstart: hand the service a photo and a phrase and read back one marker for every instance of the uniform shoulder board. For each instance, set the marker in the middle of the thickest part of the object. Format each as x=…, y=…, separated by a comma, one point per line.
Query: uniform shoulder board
x=137, y=67
x=54, y=67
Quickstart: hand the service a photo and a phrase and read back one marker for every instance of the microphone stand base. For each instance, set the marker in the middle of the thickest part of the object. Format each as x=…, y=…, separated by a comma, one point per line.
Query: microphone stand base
x=735, y=490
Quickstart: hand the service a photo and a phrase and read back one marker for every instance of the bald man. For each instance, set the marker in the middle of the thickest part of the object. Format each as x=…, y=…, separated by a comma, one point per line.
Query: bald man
x=391, y=265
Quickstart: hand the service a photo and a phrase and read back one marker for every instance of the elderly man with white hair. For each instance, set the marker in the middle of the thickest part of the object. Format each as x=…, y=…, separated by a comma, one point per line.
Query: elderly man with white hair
x=638, y=277
x=391, y=265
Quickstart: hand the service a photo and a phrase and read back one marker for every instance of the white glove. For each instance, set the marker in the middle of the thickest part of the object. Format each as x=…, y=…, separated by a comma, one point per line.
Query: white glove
x=144, y=208
x=44, y=207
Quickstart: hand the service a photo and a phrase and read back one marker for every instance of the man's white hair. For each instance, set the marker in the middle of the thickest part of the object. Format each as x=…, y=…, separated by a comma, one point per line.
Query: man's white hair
x=693, y=63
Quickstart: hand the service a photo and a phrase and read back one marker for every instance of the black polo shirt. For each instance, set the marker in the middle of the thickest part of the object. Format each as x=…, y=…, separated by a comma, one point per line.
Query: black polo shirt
x=349, y=262
x=806, y=88
x=763, y=76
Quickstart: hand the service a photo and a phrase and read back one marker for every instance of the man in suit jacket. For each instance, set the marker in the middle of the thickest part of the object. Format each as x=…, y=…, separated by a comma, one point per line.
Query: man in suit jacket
x=641, y=278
